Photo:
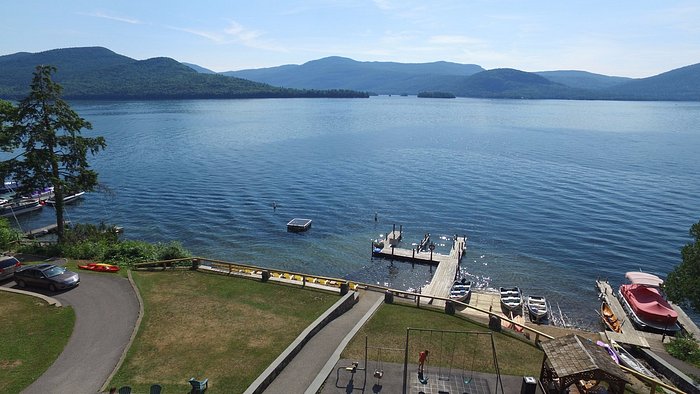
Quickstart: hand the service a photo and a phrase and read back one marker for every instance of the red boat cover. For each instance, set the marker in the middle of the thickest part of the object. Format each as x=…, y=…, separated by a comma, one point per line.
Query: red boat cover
x=649, y=304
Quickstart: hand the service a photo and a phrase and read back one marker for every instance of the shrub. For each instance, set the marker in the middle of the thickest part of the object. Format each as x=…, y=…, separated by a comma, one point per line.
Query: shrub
x=685, y=348
x=8, y=235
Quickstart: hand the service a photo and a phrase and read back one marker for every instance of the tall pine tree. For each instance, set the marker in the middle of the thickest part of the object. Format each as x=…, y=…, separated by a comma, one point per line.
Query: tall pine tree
x=46, y=144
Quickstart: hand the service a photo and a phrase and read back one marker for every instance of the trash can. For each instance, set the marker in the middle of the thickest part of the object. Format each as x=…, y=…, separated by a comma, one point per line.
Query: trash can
x=388, y=297
x=265, y=276
x=529, y=385
x=344, y=288
x=495, y=323
x=449, y=307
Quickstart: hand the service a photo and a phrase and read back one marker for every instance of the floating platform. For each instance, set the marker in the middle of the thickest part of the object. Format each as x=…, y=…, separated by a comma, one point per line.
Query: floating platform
x=297, y=225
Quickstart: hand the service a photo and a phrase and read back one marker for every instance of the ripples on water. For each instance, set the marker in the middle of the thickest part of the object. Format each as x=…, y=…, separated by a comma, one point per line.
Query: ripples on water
x=551, y=194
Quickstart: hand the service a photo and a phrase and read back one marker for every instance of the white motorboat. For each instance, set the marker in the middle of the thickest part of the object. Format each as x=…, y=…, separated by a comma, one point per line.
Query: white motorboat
x=67, y=199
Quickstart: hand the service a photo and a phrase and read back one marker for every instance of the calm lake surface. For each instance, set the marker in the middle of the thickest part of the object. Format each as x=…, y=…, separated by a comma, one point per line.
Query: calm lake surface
x=551, y=194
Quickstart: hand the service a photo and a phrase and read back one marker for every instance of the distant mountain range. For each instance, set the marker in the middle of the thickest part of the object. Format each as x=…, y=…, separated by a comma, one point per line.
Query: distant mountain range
x=470, y=80
x=98, y=73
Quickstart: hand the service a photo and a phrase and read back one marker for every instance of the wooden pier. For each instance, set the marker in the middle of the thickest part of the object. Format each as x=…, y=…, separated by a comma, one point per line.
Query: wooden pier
x=40, y=232
x=447, y=264
x=629, y=335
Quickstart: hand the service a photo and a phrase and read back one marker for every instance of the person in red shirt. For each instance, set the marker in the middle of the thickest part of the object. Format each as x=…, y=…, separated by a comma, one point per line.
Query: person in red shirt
x=422, y=356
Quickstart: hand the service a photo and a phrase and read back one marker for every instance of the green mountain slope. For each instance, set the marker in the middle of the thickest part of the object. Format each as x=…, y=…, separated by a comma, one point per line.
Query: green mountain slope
x=510, y=83
x=582, y=79
x=380, y=77
x=681, y=84
x=98, y=73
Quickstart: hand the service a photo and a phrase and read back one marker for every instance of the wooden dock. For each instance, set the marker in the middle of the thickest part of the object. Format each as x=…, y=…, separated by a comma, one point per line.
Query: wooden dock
x=447, y=264
x=630, y=335
x=39, y=232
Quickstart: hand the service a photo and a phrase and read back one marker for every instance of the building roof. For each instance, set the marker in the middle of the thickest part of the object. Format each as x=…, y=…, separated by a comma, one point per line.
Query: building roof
x=572, y=355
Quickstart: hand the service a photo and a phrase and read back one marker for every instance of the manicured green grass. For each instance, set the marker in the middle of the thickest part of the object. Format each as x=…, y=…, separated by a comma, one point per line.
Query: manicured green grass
x=33, y=336
x=222, y=328
x=387, y=329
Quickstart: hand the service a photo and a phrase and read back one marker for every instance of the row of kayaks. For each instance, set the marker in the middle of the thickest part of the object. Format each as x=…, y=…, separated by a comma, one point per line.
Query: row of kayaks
x=621, y=356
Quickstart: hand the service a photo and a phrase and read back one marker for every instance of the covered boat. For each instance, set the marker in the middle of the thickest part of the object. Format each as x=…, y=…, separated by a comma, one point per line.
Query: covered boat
x=537, y=308
x=511, y=298
x=17, y=207
x=461, y=290
x=646, y=304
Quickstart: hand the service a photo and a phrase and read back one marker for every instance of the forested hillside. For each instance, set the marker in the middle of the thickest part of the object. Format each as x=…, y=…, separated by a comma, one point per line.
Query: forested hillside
x=98, y=73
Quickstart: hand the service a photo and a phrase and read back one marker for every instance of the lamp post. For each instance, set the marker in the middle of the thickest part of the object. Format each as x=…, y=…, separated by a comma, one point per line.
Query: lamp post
x=431, y=247
x=663, y=337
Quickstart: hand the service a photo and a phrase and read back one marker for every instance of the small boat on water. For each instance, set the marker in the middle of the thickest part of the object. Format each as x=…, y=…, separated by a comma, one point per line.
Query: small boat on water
x=19, y=207
x=67, y=199
x=511, y=298
x=629, y=361
x=461, y=290
x=609, y=318
x=99, y=267
x=646, y=304
x=537, y=308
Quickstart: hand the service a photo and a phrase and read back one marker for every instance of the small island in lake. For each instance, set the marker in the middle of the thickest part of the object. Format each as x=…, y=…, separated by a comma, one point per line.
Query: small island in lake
x=436, y=95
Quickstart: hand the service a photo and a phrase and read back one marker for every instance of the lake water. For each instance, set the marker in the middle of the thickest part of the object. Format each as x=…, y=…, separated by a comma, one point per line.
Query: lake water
x=552, y=194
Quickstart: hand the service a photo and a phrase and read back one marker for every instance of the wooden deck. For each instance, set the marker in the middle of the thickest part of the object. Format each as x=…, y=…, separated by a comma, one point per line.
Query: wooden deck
x=630, y=335
x=38, y=232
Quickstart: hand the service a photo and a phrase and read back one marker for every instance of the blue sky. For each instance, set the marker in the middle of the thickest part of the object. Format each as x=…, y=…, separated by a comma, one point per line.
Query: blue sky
x=626, y=38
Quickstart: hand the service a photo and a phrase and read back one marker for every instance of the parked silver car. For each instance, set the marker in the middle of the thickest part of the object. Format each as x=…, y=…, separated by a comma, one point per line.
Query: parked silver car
x=8, y=266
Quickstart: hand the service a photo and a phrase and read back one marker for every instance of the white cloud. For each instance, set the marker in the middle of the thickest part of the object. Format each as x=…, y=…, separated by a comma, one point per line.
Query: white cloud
x=235, y=33
x=454, y=40
x=103, y=15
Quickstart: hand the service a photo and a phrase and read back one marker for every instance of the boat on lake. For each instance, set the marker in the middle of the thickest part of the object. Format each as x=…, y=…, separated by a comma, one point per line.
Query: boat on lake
x=67, y=199
x=537, y=308
x=646, y=304
x=21, y=206
x=461, y=290
x=609, y=318
x=511, y=298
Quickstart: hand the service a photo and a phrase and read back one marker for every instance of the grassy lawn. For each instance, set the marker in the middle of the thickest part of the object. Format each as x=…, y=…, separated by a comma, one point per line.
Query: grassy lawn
x=223, y=328
x=387, y=329
x=33, y=335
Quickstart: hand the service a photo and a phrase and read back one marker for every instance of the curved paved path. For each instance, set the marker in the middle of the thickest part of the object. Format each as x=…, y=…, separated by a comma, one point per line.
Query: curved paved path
x=106, y=309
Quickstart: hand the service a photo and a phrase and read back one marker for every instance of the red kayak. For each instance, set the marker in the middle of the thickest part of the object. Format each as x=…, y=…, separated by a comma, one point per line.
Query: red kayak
x=100, y=267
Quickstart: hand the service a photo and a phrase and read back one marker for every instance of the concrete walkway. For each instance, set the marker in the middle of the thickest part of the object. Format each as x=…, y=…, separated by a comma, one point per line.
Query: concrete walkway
x=106, y=310
x=324, y=348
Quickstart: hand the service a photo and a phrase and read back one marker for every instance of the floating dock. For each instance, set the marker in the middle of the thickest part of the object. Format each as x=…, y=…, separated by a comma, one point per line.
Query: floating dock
x=297, y=225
